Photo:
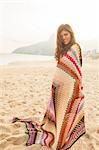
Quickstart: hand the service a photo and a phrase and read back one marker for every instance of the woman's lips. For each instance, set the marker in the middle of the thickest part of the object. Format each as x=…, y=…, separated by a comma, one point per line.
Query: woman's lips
x=65, y=41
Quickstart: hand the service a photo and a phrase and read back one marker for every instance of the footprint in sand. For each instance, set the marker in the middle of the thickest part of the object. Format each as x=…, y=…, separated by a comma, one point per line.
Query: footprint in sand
x=97, y=131
x=91, y=147
x=87, y=136
x=4, y=129
x=17, y=139
x=3, y=144
x=14, y=140
x=16, y=125
x=3, y=136
x=2, y=121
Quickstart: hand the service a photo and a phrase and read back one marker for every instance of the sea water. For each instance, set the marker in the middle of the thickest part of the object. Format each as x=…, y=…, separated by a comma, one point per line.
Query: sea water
x=12, y=57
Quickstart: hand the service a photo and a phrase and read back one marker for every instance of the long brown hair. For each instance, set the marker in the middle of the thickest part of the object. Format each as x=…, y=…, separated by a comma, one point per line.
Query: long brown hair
x=60, y=47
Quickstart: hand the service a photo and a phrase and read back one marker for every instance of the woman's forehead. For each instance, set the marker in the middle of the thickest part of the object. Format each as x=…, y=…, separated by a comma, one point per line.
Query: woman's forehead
x=63, y=32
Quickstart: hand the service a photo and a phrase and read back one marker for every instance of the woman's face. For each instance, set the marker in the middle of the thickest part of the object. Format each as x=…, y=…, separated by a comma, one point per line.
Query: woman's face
x=65, y=37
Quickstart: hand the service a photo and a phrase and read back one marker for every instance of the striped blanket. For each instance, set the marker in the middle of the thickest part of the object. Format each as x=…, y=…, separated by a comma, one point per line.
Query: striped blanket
x=63, y=123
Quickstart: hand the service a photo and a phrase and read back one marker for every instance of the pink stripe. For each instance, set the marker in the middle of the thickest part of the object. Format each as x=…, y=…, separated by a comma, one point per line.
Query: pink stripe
x=74, y=115
x=31, y=139
x=73, y=61
x=51, y=140
x=51, y=134
x=46, y=138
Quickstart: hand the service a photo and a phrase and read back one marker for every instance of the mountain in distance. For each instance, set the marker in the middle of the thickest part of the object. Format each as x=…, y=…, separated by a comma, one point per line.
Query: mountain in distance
x=40, y=48
x=48, y=47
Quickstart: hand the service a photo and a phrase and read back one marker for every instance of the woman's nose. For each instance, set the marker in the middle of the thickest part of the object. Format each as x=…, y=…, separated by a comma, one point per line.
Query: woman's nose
x=63, y=37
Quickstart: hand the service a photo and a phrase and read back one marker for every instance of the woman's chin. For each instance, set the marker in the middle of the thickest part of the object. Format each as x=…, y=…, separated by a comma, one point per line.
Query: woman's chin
x=65, y=43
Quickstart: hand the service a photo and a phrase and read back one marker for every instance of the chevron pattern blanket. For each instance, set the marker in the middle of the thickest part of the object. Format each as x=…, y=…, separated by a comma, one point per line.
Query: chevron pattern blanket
x=63, y=123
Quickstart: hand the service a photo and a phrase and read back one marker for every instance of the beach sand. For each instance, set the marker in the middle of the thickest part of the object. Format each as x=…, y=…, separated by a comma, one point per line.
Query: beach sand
x=25, y=90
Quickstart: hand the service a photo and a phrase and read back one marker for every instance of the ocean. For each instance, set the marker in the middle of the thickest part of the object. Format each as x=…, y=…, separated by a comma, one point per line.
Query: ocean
x=10, y=58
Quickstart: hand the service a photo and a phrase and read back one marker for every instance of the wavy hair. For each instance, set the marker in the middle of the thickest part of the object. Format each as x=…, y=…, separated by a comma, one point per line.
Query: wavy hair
x=60, y=47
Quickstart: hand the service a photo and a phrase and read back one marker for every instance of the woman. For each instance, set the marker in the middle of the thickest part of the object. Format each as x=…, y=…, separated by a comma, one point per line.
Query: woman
x=63, y=123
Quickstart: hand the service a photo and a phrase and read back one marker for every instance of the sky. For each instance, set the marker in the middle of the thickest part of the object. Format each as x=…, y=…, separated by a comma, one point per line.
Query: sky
x=25, y=22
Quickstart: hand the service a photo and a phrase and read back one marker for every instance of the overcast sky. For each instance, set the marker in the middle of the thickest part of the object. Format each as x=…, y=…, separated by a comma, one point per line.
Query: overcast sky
x=24, y=22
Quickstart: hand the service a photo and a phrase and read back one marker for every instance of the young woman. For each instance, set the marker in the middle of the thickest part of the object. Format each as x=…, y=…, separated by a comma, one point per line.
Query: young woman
x=63, y=123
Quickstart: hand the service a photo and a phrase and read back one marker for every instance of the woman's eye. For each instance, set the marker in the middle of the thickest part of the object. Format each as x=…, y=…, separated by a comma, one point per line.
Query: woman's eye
x=65, y=34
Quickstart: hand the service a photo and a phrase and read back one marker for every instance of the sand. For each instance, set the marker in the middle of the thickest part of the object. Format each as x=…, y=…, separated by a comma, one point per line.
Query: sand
x=25, y=91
